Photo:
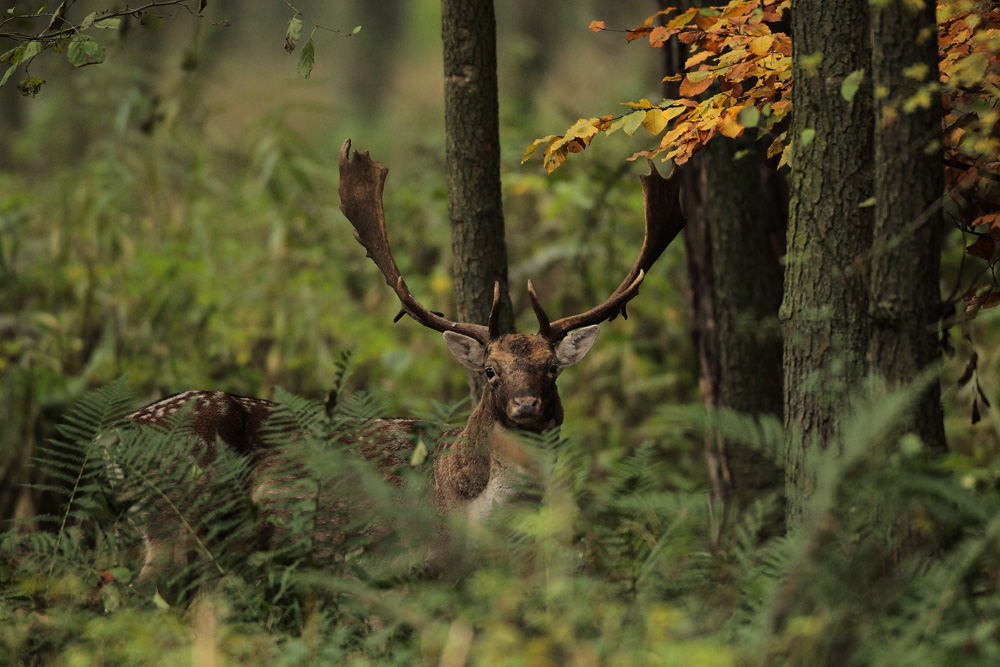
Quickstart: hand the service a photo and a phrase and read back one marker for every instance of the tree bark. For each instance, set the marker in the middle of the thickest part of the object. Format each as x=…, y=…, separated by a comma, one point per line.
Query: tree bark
x=472, y=130
x=746, y=223
x=909, y=187
x=736, y=221
x=825, y=307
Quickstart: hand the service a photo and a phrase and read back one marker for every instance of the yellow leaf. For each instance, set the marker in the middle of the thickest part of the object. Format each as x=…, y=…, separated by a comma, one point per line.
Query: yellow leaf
x=729, y=127
x=655, y=121
x=760, y=46
x=785, y=156
x=777, y=145
x=583, y=128
x=535, y=144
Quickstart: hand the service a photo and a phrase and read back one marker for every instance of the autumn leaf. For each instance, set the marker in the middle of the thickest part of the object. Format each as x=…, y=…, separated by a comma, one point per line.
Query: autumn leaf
x=597, y=26
x=655, y=121
x=761, y=46
x=535, y=144
x=728, y=127
x=692, y=86
x=659, y=36
x=636, y=33
x=698, y=58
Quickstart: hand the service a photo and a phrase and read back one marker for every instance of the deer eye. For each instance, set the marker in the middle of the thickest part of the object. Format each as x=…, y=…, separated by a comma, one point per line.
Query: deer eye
x=490, y=373
x=554, y=369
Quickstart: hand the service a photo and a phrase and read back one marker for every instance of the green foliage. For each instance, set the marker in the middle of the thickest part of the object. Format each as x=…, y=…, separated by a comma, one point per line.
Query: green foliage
x=661, y=572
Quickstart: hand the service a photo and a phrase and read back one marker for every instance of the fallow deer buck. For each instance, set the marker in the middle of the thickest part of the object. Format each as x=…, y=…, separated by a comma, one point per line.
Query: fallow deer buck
x=520, y=370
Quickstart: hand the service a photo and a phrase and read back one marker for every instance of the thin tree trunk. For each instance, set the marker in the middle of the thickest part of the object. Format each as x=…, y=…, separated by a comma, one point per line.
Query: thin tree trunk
x=909, y=183
x=472, y=129
x=825, y=307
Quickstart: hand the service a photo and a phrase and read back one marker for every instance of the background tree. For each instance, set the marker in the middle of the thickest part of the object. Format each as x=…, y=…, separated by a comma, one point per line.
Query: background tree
x=472, y=149
x=909, y=201
x=736, y=209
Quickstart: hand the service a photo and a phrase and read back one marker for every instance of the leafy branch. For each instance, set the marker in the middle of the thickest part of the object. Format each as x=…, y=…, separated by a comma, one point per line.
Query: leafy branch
x=307, y=57
x=62, y=35
x=735, y=49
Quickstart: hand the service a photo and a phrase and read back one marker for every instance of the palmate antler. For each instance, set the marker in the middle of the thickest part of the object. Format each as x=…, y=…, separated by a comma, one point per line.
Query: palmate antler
x=361, y=184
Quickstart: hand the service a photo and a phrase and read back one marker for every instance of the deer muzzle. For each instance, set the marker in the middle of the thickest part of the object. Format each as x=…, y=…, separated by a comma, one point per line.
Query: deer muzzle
x=524, y=407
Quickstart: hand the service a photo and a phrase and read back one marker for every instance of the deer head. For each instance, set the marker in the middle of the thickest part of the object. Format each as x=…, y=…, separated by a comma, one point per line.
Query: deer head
x=520, y=370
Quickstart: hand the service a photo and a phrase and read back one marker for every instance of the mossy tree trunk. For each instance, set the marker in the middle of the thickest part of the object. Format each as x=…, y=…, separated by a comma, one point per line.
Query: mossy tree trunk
x=825, y=313
x=472, y=149
x=909, y=188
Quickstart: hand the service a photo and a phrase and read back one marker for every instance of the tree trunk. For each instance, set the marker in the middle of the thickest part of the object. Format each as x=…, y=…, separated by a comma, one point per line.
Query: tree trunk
x=472, y=129
x=735, y=222
x=909, y=187
x=745, y=224
x=825, y=307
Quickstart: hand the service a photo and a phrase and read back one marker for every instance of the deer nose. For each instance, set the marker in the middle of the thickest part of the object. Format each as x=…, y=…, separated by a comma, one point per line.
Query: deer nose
x=525, y=406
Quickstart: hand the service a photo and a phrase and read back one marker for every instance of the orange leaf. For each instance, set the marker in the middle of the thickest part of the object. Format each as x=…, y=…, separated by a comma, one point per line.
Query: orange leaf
x=705, y=22
x=690, y=36
x=637, y=32
x=699, y=57
x=597, y=26
x=690, y=88
x=659, y=36
x=991, y=219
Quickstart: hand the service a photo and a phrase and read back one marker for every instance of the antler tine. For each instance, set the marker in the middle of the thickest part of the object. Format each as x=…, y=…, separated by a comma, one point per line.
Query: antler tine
x=543, y=320
x=664, y=221
x=494, y=327
x=361, y=183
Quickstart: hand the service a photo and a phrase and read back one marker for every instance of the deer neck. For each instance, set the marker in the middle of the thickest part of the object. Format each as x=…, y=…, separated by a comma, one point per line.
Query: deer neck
x=490, y=434
x=489, y=420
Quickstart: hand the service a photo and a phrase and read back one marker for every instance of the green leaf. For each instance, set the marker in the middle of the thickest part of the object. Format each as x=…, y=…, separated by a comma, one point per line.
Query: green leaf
x=748, y=117
x=108, y=24
x=807, y=136
x=633, y=121
x=419, y=453
x=293, y=33
x=6, y=75
x=307, y=58
x=615, y=126
x=159, y=602
x=24, y=52
x=85, y=50
x=88, y=20
x=851, y=83
x=867, y=203
x=356, y=30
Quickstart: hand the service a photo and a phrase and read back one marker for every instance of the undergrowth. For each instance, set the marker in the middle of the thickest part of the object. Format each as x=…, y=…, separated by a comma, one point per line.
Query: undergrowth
x=894, y=563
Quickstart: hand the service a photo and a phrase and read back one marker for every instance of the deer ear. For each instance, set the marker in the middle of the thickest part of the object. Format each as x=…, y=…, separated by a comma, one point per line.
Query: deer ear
x=469, y=351
x=576, y=345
